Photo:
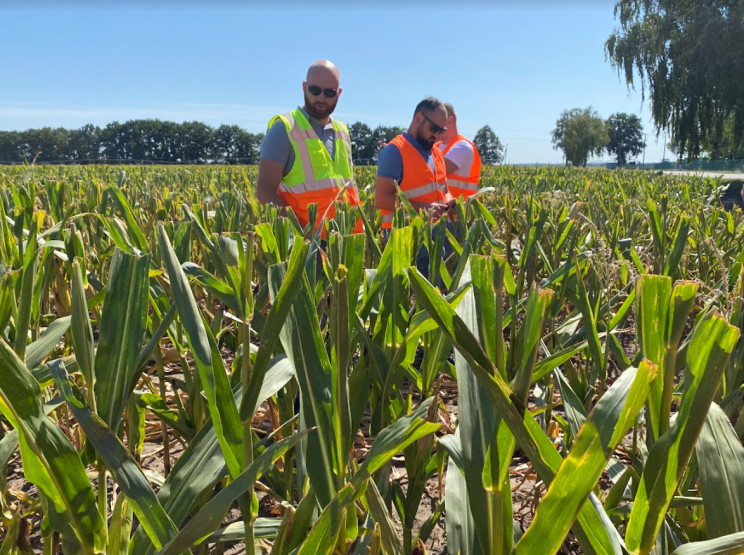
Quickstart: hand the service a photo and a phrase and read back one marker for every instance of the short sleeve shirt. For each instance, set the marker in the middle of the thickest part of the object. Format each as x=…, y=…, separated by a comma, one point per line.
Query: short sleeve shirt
x=461, y=154
x=277, y=147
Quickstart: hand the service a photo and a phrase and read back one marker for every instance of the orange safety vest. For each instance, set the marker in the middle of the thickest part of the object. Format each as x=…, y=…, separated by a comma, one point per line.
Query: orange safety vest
x=459, y=184
x=419, y=183
x=314, y=176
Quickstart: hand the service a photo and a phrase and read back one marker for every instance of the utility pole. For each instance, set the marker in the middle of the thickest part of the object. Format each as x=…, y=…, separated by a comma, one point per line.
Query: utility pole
x=644, y=150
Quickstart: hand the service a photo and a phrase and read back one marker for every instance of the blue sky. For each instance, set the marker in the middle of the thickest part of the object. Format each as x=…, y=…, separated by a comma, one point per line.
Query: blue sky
x=512, y=65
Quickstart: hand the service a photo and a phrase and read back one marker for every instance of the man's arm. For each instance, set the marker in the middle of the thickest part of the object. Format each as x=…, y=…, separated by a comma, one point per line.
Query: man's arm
x=386, y=198
x=450, y=165
x=269, y=177
x=386, y=193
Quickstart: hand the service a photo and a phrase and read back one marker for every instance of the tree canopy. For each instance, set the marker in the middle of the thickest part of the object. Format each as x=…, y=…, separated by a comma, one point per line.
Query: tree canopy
x=625, y=132
x=366, y=142
x=145, y=140
x=689, y=54
x=580, y=133
x=489, y=146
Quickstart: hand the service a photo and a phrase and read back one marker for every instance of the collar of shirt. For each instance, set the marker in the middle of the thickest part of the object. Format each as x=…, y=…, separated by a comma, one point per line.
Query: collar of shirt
x=315, y=122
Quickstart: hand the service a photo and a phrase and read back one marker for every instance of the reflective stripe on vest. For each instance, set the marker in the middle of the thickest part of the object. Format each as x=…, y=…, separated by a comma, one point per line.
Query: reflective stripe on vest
x=314, y=177
x=459, y=184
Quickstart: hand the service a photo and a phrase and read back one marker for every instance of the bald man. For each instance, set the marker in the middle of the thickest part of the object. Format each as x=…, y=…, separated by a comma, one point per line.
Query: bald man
x=306, y=154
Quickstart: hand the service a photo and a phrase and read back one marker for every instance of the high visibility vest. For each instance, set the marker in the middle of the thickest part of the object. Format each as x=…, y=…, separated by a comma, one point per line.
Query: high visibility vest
x=419, y=183
x=314, y=177
x=461, y=184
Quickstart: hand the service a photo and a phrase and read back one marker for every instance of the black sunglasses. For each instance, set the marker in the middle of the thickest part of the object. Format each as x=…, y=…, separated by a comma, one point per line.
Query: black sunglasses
x=315, y=90
x=436, y=129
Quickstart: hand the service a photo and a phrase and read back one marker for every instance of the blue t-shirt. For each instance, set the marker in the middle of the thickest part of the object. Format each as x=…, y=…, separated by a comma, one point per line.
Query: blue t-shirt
x=390, y=163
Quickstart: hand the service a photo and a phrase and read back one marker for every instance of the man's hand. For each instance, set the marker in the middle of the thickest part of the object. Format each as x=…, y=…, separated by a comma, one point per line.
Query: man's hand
x=437, y=209
x=269, y=178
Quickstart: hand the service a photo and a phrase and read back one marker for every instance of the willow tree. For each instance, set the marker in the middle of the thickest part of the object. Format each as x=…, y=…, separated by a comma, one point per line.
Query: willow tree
x=579, y=133
x=689, y=58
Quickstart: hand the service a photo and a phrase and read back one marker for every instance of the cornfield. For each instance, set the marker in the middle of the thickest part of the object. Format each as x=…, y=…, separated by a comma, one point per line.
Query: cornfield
x=578, y=335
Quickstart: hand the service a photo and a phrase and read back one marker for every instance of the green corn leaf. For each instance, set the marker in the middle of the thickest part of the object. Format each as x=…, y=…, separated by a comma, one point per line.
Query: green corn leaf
x=652, y=312
x=202, y=465
x=208, y=361
x=119, y=461
x=135, y=232
x=733, y=544
x=82, y=332
x=606, y=425
x=527, y=432
x=212, y=284
x=590, y=327
x=720, y=458
x=282, y=298
x=120, y=527
x=490, y=445
x=379, y=512
x=25, y=304
x=37, y=351
x=303, y=344
x=460, y=524
x=122, y=325
x=210, y=516
x=160, y=409
x=393, y=439
x=49, y=460
x=680, y=240
x=710, y=348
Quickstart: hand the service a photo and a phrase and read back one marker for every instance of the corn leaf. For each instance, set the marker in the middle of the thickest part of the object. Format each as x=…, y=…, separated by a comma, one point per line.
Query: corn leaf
x=606, y=425
x=122, y=329
x=209, y=364
x=733, y=544
x=119, y=461
x=49, y=460
x=210, y=516
x=720, y=458
x=710, y=348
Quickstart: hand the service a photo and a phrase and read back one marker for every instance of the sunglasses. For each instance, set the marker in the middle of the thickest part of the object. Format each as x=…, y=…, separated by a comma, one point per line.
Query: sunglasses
x=436, y=129
x=315, y=90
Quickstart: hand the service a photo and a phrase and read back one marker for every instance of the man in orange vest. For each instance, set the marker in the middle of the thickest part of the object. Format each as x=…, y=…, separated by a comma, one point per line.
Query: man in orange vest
x=460, y=157
x=306, y=154
x=411, y=161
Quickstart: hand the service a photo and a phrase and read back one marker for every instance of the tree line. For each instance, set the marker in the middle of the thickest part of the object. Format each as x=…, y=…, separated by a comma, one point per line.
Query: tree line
x=580, y=133
x=166, y=142
x=142, y=140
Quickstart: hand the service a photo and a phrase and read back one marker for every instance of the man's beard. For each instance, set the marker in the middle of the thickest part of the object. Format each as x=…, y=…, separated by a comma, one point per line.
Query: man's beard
x=320, y=112
x=425, y=141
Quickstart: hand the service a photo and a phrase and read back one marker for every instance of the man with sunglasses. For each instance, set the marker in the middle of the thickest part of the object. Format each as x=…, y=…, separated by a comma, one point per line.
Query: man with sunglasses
x=306, y=154
x=460, y=157
x=418, y=169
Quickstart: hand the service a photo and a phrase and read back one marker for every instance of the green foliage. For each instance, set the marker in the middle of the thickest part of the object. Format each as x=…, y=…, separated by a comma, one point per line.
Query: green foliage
x=688, y=55
x=184, y=311
x=580, y=133
x=148, y=140
x=367, y=142
x=488, y=145
x=626, y=136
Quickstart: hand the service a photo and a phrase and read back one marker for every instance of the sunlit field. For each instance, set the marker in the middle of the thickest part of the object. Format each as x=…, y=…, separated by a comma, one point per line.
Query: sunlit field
x=184, y=370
